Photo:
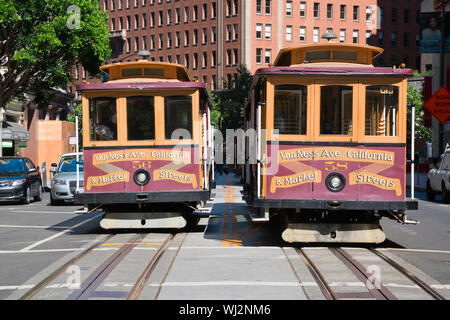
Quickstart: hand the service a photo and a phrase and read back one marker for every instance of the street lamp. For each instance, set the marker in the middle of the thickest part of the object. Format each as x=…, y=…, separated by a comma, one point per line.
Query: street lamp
x=329, y=35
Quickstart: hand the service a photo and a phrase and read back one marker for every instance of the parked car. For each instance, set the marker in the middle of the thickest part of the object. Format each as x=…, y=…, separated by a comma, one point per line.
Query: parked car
x=19, y=180
x=64, y=182
x=439, y=178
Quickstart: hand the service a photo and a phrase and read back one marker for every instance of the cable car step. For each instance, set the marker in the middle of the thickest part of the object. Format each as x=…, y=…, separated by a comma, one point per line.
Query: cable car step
x=333, y=232
x=143, y=220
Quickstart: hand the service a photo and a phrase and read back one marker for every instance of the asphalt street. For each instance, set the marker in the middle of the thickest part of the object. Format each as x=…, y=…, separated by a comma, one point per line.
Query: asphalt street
x=225, y=257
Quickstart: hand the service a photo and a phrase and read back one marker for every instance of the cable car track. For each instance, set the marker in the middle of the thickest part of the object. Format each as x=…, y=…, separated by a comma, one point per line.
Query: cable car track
x=375, y=291
x=87, y=289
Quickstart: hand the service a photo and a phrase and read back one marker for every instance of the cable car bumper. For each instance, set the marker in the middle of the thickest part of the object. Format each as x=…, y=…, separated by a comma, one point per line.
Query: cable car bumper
x=142, y=197
x=410, y=204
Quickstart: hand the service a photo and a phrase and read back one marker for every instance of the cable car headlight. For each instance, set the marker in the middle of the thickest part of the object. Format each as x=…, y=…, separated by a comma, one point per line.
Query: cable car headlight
x=141, y=177
x=335, y=182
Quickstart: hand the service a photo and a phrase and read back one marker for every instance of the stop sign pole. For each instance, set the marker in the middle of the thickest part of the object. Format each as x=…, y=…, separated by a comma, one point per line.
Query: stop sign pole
x=442, y=74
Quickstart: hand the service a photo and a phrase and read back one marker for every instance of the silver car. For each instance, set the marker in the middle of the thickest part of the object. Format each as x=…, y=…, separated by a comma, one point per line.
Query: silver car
x=64, y=182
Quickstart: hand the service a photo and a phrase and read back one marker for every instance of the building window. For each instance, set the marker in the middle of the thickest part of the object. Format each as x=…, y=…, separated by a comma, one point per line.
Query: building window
x=302, y=34
x=169, y=17
x=288, y=33
x=355, y=13
x=213, y=10
x=268, y=56
x=380, y=37
x=213, y=58
x=343, y=11
x=259, y=6
x=329, y=11
x=316, y=9
x=213, y=34
x=169, y=40
x=205, y=35
x=268, y=31
x=342, y=36
x=393, y=39
x=186, y=38
x=302, y=9
x=369, y=14
x=394, y=15
x=177, y=15
x=355, y=36
x=258, y=56
x=195, y=35
x=177, y=39
x=406, y=16
x=259, y=31
x=406, y=39
x=195, y=13
x=228, y=57
x=186, y=14
x=205, y=11
x=268, y=6
x=316, y=35
x=368, y=35
x=289, y=8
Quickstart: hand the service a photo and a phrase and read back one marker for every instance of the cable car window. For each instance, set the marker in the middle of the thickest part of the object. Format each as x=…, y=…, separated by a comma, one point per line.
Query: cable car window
x=290, y=109
x=131, y=72
x=177, y=114
x=318, y=55
x=344, y=55
x=336, y=109
x=141, y=118
x=103, y=119
x=381, y=111
x=153, y=72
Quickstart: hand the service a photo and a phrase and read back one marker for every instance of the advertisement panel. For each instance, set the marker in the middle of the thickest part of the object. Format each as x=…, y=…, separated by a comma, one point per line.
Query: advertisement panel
x=431, y=33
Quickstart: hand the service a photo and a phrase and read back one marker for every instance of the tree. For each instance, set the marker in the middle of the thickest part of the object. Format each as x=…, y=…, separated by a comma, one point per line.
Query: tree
x=41, y=41
x=229, y=103
x=415, y=97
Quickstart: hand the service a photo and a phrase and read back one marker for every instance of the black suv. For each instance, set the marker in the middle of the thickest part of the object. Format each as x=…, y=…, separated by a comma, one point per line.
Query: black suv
x=19, y=180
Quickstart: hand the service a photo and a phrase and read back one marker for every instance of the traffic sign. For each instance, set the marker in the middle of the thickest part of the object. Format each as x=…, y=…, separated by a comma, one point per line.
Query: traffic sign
x=439, y=105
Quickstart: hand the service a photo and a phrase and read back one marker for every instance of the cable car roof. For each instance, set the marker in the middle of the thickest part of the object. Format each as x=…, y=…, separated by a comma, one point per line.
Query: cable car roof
x=327, y=52
x=147, y=69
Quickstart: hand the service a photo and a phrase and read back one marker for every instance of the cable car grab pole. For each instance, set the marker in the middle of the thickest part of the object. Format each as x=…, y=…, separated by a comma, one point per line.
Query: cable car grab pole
x=77, y=148
x=413, y=125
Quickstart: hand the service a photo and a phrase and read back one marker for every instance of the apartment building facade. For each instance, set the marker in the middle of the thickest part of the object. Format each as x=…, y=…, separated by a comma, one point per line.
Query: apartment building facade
x=213, y=37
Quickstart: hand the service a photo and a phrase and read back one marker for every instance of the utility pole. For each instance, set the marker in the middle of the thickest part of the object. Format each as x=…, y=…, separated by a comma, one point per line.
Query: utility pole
x=442, y=71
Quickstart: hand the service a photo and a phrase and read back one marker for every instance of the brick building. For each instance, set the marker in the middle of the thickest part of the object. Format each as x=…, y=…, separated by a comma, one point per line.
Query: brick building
x=213, y=37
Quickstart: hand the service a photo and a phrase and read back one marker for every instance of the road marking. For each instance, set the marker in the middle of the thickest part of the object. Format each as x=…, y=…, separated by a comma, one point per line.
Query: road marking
x=33, y=227
x=135, y=243
x=56, y=235
x=228, y=283
x=414, y=250
x=233, y=283
x=46, y=212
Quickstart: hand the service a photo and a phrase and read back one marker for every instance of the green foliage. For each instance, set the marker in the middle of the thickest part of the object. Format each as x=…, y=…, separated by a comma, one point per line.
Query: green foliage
x=229, y=103
x=41, y=40
x=415, y=97
x=71, y=118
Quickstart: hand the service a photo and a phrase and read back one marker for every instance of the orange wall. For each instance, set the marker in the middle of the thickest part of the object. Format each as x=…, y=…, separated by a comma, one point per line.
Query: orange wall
x=48, y=141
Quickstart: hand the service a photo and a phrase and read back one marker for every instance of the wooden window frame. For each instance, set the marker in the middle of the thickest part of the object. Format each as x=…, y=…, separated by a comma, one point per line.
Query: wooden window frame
x=318, y=84
x=401, y=113
x=358, y=112
x=121, y=105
